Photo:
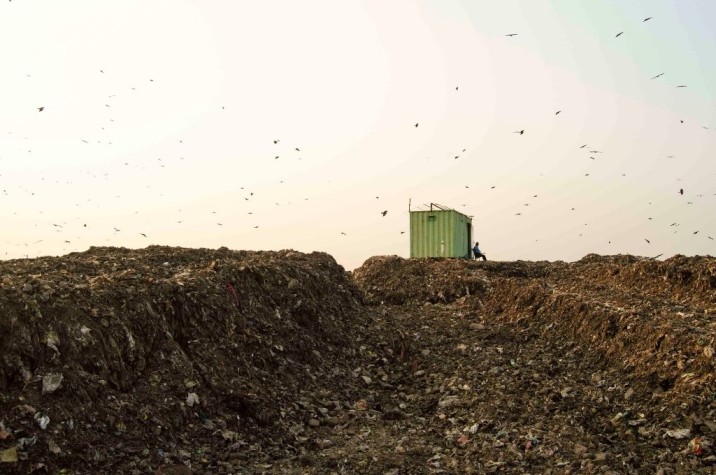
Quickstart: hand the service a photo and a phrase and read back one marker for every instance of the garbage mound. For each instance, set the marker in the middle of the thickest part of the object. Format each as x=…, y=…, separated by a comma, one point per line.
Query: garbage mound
x=656, y=318
x=604, y=364
x=179, y=361
x=115, y=360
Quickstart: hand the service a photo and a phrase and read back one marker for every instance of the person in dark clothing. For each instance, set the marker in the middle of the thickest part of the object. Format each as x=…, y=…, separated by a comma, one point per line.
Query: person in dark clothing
x=478, y=253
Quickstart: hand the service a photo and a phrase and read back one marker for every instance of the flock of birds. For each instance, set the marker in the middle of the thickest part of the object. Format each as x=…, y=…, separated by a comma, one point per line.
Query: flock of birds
x=384, y=212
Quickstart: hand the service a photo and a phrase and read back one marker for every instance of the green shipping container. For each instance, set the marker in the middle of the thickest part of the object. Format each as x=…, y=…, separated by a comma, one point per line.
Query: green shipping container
x=440, y=232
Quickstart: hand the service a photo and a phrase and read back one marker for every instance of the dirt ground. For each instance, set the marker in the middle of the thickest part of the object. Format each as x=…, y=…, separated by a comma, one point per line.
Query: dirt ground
x=170, y=360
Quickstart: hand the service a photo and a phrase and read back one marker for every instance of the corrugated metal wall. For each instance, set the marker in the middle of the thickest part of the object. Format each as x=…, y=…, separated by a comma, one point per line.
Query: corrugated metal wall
x=439, y=234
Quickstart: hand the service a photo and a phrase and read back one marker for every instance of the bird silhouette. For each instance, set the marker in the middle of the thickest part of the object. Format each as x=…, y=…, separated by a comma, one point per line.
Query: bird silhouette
x=512, y=34
x=557, y=112
x=583, y=146
x=681, y=191
x=276, y=141
x=384, y=212
x=40, y=109
x=619, y=34
x=649, y=242
x=143, y=234
x=521, y=132
x=658, y=75
x=646, y=19
x=416, y=124
x=682, y=85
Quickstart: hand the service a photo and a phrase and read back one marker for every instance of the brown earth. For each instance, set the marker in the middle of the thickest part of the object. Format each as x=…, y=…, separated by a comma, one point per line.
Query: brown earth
x=170, y=360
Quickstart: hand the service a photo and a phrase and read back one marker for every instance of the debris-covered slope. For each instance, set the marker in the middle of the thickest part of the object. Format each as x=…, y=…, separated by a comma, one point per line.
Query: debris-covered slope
x=115, y=359
x=643, y=329
x=169, y=360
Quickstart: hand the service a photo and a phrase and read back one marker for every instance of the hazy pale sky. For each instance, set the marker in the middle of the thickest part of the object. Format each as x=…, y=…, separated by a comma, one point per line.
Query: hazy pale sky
x=160, y=118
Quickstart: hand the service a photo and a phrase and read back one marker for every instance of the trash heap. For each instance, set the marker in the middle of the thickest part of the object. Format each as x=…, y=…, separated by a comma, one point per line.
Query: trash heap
x=604, y=364
x=119, y=361
x=178, y=361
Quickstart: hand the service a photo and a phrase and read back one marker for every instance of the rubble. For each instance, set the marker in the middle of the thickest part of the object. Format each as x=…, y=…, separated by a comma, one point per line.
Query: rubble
x=170, y=360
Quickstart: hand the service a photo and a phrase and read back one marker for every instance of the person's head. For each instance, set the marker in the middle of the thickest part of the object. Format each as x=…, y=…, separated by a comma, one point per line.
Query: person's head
x=477, y=243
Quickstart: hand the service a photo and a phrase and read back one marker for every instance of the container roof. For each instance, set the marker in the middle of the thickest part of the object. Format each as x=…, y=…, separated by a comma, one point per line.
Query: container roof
x=433, y=207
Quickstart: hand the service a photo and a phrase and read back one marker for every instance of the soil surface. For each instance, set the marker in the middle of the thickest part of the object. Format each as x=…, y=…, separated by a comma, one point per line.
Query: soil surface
x=178, y=361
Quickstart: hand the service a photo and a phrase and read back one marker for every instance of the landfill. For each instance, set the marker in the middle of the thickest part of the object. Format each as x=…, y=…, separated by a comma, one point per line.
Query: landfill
x=169, y=360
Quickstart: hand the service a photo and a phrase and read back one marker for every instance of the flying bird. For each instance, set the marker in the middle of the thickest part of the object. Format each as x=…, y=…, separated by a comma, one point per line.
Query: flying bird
x=583, y=146
x=681, y=191
x=646, y=19
x=40, y=109
x=416, y=124
x=649, y=242
x=619, y=34
x=658, y=75
x=143, y=234
x=512, y=34
x=683, y=85
x=521, y=132
x=276, y=141
x=344, y=233
x=557, y=112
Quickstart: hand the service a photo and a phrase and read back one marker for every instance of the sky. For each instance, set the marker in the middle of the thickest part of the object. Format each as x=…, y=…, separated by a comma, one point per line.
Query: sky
x=292, y=125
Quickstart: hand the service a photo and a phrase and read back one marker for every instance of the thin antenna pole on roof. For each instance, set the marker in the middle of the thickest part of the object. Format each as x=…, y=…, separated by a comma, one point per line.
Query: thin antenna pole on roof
x=409, y=204
x=431, y=206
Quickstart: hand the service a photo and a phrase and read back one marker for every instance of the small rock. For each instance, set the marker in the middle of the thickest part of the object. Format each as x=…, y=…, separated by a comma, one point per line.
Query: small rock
x=314, y=422
x=628, y=394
